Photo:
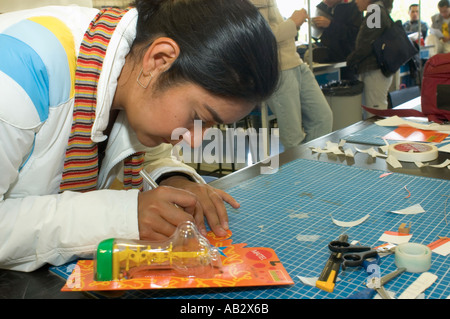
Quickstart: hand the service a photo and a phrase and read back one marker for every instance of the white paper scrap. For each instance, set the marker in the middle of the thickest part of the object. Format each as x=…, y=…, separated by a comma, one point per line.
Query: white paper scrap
x=445, y=148
x=309, y=281
x=393, y=161
x=397, y=121
x=415, y=209
x=441, y=247
x=444, y=164
x=371, y=151
x=349, y=152
x=333, y=148
x=395, y=237
x=310, y=238
x=420, y=164
x=350, y=224
x=299, y=215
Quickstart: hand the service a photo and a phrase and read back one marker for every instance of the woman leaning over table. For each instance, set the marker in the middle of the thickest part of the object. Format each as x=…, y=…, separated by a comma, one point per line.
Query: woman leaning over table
x=89, y=96
x=363, y=59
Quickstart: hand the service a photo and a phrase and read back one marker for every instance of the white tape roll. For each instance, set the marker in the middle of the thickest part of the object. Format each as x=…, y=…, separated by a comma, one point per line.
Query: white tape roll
x=413, y=152
x=414, y=257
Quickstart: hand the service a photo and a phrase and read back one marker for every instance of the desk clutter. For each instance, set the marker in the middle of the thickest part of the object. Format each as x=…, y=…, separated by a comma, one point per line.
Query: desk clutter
x=398, y=140
x=307, y=204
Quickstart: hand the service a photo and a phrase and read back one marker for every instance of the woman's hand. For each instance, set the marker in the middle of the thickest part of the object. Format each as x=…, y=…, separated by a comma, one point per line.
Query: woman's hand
x=210, y=204
x=161, y=210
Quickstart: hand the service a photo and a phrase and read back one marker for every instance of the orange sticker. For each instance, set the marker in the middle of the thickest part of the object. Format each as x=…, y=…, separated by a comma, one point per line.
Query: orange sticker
x=409, y=133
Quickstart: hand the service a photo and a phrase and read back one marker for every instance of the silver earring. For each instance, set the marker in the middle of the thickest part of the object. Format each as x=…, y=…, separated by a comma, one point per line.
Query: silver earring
x=140, y=83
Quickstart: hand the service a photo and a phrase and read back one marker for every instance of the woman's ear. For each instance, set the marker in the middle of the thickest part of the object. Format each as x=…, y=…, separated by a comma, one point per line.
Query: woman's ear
x=159, y=56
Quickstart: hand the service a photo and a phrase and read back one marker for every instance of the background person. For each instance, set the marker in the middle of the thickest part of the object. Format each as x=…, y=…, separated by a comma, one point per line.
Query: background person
x=339, y=23
x=439, y=36
x=301, y=109
x=412, y=25
x=363, y=59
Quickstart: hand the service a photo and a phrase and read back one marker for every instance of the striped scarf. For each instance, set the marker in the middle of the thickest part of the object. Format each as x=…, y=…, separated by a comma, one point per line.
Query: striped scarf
x=81, y=163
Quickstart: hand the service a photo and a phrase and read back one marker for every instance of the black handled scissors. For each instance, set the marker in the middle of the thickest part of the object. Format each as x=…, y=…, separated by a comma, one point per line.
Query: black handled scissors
x=352, y=255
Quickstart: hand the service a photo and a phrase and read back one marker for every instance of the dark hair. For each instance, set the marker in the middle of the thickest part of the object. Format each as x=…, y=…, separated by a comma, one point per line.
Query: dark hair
x=443, y=3
x=226, y=46
x=388, y=4
x=413, y=5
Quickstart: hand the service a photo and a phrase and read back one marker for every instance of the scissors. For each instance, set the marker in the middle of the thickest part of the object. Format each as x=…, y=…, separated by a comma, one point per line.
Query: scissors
x=352, y=255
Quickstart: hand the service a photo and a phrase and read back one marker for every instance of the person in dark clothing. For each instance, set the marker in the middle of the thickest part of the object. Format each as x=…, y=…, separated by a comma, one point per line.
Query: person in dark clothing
x=412, y=25
x=340, y=23
x=363, y=59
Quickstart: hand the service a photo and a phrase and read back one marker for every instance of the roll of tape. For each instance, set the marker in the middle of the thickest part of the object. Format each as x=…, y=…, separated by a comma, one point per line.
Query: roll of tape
x=414, y=257
x=413, y=152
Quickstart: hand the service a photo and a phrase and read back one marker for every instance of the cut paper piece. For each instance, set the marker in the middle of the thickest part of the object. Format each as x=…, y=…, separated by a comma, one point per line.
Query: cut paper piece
x=393, y=161
x=350, y=224
x=397, y=121
x=424, y=281
x=444, y=164
x=318, y=150
x=309, y=238
x=349, y=152
x=444, y=148
x=299, y=215
x=385, y=148
x=441, y=246
x=372, y=152
x=420, y=164
x=333, y=148
x=415, y=209
x=309, y=281
x=395, y=237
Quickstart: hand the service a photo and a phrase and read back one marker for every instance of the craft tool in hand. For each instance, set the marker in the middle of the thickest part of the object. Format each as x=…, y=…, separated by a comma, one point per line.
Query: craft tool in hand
x=150, y=181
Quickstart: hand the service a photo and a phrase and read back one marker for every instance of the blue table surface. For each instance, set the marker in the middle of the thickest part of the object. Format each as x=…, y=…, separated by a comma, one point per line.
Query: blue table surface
x=291, y=212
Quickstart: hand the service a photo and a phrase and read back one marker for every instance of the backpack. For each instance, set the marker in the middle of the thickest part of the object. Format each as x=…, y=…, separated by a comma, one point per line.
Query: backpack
x=435, y=92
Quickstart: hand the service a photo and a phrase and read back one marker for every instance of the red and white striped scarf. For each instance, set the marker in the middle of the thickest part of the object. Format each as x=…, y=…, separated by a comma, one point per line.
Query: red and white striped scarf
x=81, y=164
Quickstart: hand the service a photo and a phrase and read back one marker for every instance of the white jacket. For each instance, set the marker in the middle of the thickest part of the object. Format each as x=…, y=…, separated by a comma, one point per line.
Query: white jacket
x=38, y=225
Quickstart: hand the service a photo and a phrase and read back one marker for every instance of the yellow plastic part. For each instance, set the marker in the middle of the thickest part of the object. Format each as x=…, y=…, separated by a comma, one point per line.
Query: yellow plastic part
x=147, y=257
x=328, y=285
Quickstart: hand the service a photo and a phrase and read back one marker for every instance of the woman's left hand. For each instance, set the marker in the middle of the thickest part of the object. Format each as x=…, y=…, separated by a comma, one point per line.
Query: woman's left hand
x=210, y=204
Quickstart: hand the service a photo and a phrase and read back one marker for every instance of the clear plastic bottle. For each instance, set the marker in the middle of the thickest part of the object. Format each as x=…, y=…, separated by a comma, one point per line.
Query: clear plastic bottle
x=185, y=253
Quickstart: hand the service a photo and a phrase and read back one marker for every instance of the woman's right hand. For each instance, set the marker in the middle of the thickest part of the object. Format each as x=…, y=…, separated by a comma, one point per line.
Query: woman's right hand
x=158, y=214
